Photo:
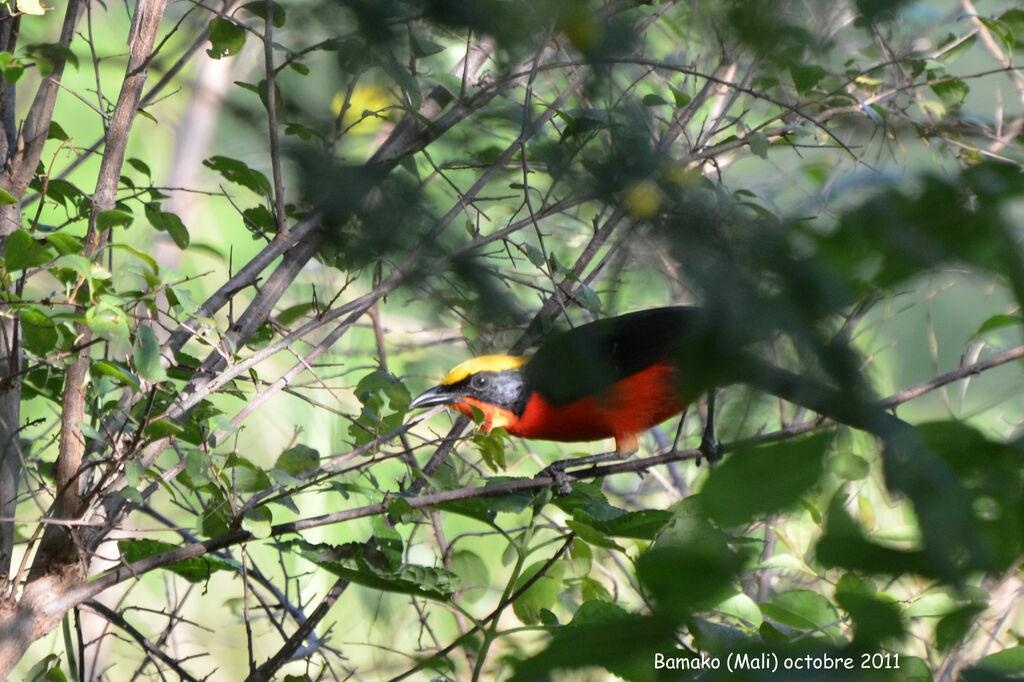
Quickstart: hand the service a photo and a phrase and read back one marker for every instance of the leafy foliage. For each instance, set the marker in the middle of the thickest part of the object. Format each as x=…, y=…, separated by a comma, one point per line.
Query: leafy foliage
x=229, y=356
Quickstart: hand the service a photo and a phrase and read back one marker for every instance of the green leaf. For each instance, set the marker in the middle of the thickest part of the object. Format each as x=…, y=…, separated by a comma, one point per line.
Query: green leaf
x=48, y=54
x=298, y=459
x=606, y=635
x=109, y=322
x=226, y=38
x=258, y=521
x=1001, y=31
x=68, y=195
x=541, y=594
x=958, y=49
x=998, y=322
x=22, y=251
x=806, y=76
x=535, y=255
x=11, y=67
x=247, y=477
x=875, y=619
x=759, y=145
x=109, y=369
x=39, y=335
x=259, y=8
x=951, y=92
x=140, y=165
x=473, y=573
x=400, y=510
x=114, y=217
x=47, y=669
x=366, y=565
x=162, y=428
x=804, y=610
x=741, y=607
x=300, y=131
x=133, y=472
x=1008, y=661
x=591, y=535
x=481, y=509
x=590, y=300
x=593, y=589
x=146, y=357
x=688, y=576
x=1013, y=20
x=6, y=198
x=237, y=172
x=150, y=262
x=954, y=626
x=56, y=132
x=261, y=91
x=405, y=80
x=379, y=383
x=849, y=466
x=653, y=100
x=65, y=243
x=196, y=570
x=844, y=544
x=640, y=525
x=753, y=482
x=290, y=315
x=491, y=447
x=169, y=223
x=680, y=98
x=259, y=219
x=422, y=47
x=968, y=520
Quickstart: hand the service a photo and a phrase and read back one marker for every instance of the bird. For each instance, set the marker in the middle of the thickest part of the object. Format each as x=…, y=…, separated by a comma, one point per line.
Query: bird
x=614, y=378
x=619, y=376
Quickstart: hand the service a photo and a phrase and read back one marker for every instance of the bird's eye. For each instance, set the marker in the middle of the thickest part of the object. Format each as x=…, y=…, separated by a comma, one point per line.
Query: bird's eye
x=480, y=380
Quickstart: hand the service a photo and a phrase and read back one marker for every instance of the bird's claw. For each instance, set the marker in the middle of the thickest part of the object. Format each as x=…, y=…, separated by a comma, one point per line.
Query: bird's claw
x=556, y=471
x=708, y=450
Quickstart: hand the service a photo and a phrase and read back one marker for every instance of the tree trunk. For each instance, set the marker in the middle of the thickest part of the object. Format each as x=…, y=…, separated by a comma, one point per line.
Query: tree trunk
x=10, y=355
x=60, y=563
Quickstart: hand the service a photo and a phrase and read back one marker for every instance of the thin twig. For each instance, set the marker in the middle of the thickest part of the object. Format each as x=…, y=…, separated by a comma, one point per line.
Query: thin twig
x=150, y=648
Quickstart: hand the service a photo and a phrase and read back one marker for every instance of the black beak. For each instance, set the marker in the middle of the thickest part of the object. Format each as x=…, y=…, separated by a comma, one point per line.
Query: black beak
x=438, y=395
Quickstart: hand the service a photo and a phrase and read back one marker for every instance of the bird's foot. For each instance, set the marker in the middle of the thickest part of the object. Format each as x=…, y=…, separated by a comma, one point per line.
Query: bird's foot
x=556, y=470
x=708, y=445
x=708, y=450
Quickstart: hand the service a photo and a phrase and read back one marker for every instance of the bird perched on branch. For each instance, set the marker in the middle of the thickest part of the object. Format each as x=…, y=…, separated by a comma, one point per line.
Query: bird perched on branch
x=619, y=376
x=614, y=378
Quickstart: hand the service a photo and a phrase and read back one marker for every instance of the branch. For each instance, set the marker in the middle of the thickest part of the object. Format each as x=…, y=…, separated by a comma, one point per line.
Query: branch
x=298, y=252
x=275, y=145
x=1000, y=56
x=284, y=654
x=961, y=372
x=497, y=610
x=145, y=24
x=198, y=549
x=36, y=127
x=150, y=648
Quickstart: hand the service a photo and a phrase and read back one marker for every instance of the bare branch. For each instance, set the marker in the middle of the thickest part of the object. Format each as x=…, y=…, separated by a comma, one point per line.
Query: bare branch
x=151, y=649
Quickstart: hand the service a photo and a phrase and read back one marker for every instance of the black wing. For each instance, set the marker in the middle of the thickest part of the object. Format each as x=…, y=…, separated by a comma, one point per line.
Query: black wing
x=587, y=360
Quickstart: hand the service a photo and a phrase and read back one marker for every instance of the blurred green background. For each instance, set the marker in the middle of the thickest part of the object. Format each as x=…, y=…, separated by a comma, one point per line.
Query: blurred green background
x=770, y=201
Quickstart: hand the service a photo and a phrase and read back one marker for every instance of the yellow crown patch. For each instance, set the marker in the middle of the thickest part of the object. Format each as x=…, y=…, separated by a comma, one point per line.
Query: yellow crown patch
x=484, y=363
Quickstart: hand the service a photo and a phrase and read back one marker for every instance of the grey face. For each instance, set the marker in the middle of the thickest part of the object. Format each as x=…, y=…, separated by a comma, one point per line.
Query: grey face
x=504, y=389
